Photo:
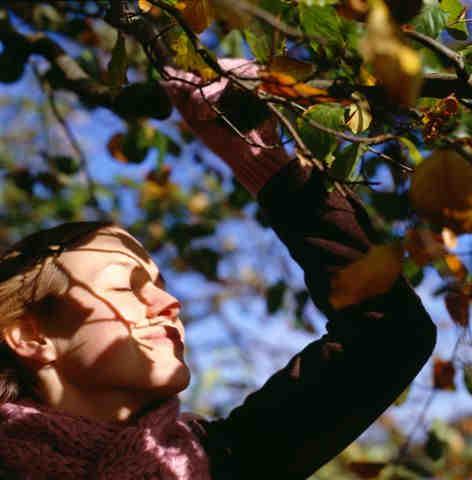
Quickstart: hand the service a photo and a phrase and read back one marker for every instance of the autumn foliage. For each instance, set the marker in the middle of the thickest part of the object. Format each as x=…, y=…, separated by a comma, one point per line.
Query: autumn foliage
x=375, y=93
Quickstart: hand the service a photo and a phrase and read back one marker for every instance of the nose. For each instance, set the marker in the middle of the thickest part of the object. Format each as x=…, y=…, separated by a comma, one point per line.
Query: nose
x=159, y=302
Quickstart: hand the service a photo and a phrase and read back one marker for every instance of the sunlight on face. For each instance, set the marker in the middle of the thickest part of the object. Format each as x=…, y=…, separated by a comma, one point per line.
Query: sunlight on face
x=117, y=327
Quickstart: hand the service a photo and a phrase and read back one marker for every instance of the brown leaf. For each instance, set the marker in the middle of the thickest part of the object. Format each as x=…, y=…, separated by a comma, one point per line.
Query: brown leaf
x=115, y=147
x=285, y=85
x=198, y=14
x=443, y=374
x=353, y=9
x=437, y=116
x=423, y=245
x=367, y=469
x=457, y=304
x=441, y=190
x=371, y=275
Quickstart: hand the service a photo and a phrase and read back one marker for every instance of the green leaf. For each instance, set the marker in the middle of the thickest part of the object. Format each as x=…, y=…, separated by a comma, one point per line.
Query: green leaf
x=259, y=41
x=204, y=260
x=322, y=22
x=345, y=161
x=330, y=115
x=161, y=142
x=414, y=153
x=412, y=272
x=275, y=296
x=65, y=164
x=431, y=21
x=468, y=378
x=455, y=12
x=232, y=45
x=401, y=399
x=118, y=63
x=467, y=54
x=453, y=8
x=436, y=444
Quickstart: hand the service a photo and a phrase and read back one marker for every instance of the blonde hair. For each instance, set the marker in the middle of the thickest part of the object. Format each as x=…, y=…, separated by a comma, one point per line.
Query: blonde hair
x=30, y=281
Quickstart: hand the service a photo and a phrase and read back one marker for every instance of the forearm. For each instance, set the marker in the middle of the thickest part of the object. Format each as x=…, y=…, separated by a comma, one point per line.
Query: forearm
x=254, y=153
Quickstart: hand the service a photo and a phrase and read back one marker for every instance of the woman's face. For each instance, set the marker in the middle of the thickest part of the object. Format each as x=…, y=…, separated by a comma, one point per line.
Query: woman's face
x=116, y=298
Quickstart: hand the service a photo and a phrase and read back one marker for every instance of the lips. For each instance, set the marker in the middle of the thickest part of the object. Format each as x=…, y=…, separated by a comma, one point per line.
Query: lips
x=165, y=332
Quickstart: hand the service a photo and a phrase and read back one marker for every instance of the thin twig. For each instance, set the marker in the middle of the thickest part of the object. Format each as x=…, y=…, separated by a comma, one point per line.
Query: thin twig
x=303, y=150
x=78, y=150
x=235, y=129
x=73, y=142
x=452, y=56
x=271, y=20
x=349, y=137
x=391, y=160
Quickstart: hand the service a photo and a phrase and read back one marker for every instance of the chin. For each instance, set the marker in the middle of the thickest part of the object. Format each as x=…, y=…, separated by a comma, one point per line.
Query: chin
x=174, y=383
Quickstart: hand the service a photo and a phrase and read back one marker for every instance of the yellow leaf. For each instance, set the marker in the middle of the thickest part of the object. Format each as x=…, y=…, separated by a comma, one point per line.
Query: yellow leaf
x=441, y=190
x=188, y=59
x=366, y=77
x=396, y=65
x=297, y=69
x=371, y=275
x=415, y=154
x=285, y=85
x=359, y=115
x=449, y=238
x=198, y=203
x=153, y=192
x=145, y=5
x=456, y=267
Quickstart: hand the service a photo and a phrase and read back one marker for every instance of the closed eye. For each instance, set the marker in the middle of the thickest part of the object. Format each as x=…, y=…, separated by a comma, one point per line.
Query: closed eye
x=122, y=289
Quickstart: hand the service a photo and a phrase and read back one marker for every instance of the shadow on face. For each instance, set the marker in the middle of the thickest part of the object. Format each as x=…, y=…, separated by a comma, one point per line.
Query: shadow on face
x=109, y=286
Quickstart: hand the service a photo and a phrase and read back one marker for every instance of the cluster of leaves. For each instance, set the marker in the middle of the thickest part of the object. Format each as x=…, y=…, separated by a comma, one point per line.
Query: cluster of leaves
x=370, y=91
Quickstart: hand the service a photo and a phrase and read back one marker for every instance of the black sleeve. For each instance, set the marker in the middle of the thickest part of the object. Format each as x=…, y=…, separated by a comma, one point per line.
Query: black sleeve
x=329, y=393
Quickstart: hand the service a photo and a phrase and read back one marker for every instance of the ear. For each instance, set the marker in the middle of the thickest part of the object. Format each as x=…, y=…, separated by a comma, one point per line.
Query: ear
x=26, y=340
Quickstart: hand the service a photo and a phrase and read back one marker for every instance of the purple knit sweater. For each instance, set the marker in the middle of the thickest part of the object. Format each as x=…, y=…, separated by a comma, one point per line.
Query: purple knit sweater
x=39, y=443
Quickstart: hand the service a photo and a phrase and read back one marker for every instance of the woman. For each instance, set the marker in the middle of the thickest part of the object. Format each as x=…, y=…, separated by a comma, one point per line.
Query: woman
x=87, y=393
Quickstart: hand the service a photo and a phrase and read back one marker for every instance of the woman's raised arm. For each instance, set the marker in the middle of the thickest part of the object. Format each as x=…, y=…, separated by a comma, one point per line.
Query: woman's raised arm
x=329, y=393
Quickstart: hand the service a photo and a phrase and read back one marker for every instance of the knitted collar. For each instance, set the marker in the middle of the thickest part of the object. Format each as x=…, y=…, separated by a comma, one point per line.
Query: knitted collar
x=38, y=442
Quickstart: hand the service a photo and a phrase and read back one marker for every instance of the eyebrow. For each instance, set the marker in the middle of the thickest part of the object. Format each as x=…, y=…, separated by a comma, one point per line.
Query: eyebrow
x=128, y=265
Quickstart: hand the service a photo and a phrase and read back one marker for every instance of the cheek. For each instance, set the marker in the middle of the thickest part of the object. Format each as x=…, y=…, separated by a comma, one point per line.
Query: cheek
x=96, y=329
x=97, y=341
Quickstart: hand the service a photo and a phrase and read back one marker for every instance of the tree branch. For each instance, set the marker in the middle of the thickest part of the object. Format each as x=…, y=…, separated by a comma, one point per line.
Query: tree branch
x=270, y=19
x=68, y=74
x=455, y=58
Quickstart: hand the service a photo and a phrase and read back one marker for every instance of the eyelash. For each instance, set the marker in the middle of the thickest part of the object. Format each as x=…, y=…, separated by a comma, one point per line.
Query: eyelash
x=159, y=283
